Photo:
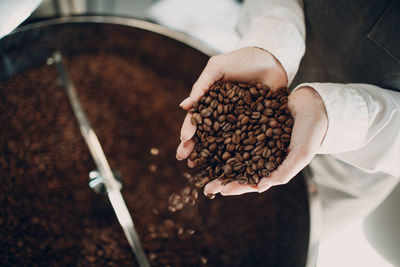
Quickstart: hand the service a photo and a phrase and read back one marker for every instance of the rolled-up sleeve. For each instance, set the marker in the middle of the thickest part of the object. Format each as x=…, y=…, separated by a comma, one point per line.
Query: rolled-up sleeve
x=276, y=26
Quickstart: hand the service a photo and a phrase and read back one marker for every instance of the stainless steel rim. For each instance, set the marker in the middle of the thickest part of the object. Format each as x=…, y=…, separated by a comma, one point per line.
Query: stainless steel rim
x=312, y=190
x=136, y=23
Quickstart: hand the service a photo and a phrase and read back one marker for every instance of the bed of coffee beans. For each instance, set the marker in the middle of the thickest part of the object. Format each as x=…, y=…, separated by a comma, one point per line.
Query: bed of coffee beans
x=50, y=217
x=243, y=131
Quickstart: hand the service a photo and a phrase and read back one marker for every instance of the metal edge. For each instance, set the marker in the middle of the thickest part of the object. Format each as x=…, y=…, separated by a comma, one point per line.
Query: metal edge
x=136, y=23
x=312, y=190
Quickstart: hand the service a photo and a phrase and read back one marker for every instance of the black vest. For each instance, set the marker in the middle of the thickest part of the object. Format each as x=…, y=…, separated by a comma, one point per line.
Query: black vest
x=352, y=41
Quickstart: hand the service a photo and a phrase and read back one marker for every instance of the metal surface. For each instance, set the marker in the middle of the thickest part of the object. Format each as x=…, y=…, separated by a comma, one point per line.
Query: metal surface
x=112, y=186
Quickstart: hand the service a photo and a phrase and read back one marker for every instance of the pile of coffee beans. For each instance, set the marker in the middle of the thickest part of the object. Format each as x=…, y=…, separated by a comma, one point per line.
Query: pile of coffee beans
x=243, y=131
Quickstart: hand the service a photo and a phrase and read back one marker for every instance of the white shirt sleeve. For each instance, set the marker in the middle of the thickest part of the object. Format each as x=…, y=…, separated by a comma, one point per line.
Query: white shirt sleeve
x=12, y=13
x=276, y=26
x=363, y=125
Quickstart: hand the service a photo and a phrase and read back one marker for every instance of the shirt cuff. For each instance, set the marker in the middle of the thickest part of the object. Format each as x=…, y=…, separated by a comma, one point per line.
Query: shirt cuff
x=280, y=38
x=347, y=113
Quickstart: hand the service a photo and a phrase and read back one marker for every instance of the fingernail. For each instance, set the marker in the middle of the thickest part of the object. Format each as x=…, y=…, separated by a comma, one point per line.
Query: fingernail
x=178, y=158
x=185, y=102
x=183, y=139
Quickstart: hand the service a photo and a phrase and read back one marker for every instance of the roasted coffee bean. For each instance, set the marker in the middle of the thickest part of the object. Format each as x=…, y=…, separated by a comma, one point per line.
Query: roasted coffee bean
x=226, y=155
x=204, y=153
x=270, y=166
x=263, y=119
x=236, y=139
x=261, y=137
x=278, y=131
x=285, y=138
x=207, y=121
x=242, y=179
x=273, y=123
x=289, y=122
x=237, y=166
x=255, y=115
x=230, y=147
x=265, y=173
x=193, y=156
x=287, y=130
x=212, y=147
x=227, y=169
x=205, y=112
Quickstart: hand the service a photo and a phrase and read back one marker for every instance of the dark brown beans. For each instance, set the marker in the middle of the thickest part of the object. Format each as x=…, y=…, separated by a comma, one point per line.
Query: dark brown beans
x=242, y=132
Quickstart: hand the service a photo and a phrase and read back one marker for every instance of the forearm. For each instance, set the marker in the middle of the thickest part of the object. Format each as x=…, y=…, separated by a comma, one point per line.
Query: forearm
x=363, y=125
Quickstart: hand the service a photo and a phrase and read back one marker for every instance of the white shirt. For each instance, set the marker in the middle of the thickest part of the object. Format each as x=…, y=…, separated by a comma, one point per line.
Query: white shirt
x=364, y=120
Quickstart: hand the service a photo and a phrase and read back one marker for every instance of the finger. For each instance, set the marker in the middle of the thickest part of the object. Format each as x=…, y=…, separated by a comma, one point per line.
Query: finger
x=213, y=187
x=188, y=129
x=184, y=149
x=234, y=188
x=211, y=73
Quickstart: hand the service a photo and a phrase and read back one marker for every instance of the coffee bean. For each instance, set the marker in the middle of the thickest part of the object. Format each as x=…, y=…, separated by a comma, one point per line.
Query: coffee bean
x=261, y=137
x=231, y=118
x=237, y=166
x=287, y=130
x=212, y=147
x=270, y=166
x=230, y=147
x=265, y=173
x=263, y=119
x=204, y=153
x=226, y=155
x=242, y=179
x=193, y=156
x=227, y=169
x=207, y=121
x=205, y=113
x=253, y=91
x=278, y=131
x=236, y=139
x=285, y=138
x=289, y=122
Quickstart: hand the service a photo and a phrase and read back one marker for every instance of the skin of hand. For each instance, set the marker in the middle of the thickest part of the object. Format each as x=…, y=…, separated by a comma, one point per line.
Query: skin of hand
x=251, y=65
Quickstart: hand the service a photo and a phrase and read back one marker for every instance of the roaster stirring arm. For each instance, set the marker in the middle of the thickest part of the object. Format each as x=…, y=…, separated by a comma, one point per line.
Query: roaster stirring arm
x=112, y=186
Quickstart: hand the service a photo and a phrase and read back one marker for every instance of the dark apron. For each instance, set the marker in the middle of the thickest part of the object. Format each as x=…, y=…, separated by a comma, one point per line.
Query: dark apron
x=352, y=42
